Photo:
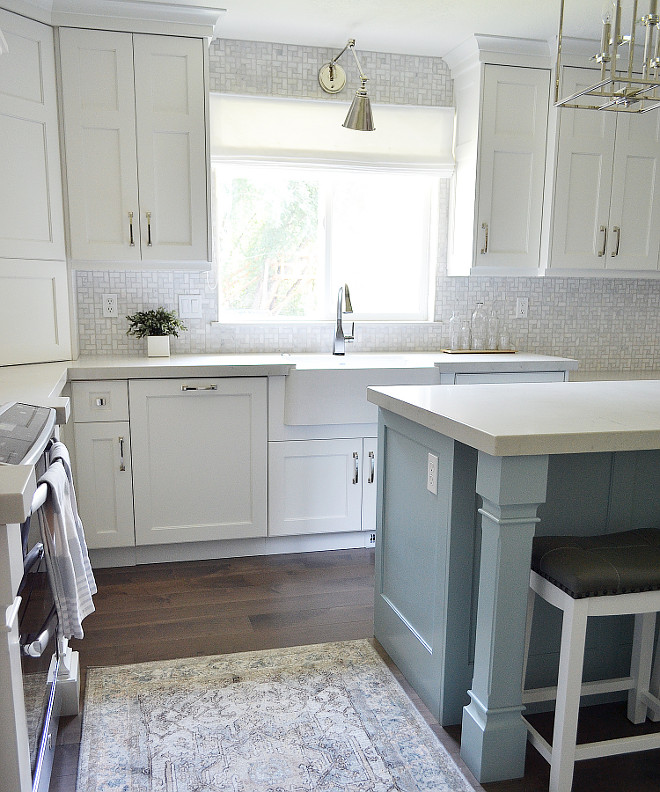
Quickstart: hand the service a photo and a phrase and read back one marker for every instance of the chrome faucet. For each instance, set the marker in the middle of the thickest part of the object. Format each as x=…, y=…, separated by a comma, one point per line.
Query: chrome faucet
x=339, y=346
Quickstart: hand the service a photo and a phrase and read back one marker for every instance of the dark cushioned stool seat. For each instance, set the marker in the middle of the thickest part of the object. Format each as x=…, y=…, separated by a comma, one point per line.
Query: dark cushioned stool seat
x=592, y=566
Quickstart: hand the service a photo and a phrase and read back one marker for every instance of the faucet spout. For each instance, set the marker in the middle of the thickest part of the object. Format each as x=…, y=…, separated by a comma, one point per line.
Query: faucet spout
x=343, y=300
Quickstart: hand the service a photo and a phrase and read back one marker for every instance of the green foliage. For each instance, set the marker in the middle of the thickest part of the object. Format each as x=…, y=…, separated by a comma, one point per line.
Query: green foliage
x=155, y=322
x=269, y=247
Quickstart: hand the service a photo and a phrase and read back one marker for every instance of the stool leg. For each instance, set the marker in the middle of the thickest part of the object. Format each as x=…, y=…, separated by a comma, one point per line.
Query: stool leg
x=571, y=661
x=531, y=597
x=654, y=714
x=640, y=665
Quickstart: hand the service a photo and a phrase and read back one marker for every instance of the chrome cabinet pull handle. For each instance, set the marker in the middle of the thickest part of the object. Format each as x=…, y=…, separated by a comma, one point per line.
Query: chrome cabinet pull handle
x=372, y=467
x=148, y=229
x=601, y=252
x=356, y=460
x=617, y=231
x=122, y=464
x=131, y=240
x=199, y=387
x=484, y=249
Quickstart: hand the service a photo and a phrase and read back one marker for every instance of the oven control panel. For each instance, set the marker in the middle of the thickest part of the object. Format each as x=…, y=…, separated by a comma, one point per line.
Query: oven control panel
x=24, y=432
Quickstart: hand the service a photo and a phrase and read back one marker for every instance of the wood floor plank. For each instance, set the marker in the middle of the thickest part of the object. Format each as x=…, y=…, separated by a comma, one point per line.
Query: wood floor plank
x=196, y=608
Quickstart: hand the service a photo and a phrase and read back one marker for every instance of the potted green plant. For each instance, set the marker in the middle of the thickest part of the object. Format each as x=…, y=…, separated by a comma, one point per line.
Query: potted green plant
x=157, y=325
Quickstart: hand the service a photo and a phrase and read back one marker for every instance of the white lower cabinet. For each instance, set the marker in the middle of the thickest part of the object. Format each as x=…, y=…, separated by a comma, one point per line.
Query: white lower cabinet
x=104, y=484
x=322, y=486
x=199, y=459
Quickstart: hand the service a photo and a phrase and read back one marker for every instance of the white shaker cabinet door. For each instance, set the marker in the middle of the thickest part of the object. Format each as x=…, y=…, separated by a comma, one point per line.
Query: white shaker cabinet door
x=31, y=222
x=99, y=128
x=171, y=142
x=583, y=182
x=512, y=149
x=634, y=223
x=315, y=486
x=199, y=459
x=607, y=189
x=135, y=120
x=103, y=483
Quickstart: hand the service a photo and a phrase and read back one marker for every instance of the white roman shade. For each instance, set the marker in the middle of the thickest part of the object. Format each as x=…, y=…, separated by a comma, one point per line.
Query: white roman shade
x=308, y=131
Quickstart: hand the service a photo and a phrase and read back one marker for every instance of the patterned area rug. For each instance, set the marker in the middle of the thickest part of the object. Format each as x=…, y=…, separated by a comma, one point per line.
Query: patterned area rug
x=327, y=717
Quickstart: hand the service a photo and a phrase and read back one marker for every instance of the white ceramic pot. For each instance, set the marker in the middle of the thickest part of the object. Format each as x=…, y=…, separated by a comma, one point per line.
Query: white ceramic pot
x=158, y=346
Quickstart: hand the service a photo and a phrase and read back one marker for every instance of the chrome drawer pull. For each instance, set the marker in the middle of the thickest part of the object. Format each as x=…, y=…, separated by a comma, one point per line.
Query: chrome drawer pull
x=356, y=461
x=601, y=252
x=130, y=229
x=484, y=249
x=617, y=231
x=199, y=387
x=122, y=464
x=148, y=229
x=372, y=466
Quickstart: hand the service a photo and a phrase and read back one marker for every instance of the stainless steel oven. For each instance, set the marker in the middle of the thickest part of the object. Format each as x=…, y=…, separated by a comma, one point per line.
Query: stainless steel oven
x=25, y=434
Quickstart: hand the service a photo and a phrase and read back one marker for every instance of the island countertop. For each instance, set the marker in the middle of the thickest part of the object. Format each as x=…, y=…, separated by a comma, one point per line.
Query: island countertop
x=534, y=418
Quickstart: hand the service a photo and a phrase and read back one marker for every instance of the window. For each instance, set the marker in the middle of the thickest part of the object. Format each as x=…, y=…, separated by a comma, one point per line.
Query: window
x=287, y=237
x=302, y=206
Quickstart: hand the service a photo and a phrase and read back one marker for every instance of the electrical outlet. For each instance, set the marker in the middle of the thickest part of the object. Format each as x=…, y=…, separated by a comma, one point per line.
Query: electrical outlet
x=432, y=474
x=522, y=307
x=372, y=539
x=110, y=305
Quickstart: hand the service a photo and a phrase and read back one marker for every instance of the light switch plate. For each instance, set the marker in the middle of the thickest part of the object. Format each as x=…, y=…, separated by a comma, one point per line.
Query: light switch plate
x=190, y=306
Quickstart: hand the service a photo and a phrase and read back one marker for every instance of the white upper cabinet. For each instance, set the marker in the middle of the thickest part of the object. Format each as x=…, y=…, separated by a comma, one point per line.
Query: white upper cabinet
x=512, y=167
x=31, y=224
x=500, y=147
x=607, y=188
x=135, y=123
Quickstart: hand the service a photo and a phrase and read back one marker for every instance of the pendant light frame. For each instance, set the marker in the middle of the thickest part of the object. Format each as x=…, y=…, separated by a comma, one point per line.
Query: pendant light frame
x=633, y=88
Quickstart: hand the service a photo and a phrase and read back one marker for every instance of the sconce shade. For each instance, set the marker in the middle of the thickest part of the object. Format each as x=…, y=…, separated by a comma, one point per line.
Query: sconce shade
x=359, y=115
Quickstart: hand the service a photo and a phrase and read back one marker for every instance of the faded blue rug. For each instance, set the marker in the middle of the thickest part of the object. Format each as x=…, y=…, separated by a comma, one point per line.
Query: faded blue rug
x=327, y=717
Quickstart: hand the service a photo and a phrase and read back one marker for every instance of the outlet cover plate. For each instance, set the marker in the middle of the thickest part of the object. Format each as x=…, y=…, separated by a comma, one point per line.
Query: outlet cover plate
x=109, y=302
x=432, y=474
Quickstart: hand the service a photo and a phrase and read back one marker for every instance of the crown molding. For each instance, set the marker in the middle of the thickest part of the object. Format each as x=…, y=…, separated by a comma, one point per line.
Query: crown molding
x=482, y=48
x=181, y=17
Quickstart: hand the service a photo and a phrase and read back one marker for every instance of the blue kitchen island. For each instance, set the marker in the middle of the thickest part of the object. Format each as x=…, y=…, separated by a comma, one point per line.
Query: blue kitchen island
x=467, y=477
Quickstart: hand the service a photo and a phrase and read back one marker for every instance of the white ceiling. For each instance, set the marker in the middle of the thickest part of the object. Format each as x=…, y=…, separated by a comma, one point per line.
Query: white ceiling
x=417, y=27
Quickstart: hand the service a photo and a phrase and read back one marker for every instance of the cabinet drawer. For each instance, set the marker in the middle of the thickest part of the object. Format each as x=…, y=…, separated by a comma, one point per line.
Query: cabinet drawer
x=100, y=400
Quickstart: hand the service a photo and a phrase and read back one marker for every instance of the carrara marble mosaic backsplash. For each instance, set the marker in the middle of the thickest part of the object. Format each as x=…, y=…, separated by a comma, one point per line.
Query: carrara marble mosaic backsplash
x=605, y=324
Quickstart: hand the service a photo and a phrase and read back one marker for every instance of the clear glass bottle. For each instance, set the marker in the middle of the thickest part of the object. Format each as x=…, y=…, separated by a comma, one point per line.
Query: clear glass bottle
x=455, y=331
x=479, y=327
x=493, y=330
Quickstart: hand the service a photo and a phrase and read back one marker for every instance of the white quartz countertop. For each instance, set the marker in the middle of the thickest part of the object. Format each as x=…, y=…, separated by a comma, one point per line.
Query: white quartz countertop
x=540, y=418
x=42, y=383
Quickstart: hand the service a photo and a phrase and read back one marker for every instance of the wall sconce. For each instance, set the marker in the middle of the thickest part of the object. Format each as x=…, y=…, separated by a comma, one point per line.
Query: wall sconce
x=624, y=85
x=332, y=78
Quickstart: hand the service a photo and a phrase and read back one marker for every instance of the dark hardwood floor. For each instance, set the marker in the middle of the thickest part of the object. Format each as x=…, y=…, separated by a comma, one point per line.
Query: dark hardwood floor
x=163, y=611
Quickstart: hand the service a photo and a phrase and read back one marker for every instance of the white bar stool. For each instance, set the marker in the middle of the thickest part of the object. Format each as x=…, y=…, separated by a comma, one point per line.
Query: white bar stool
x=584, y=576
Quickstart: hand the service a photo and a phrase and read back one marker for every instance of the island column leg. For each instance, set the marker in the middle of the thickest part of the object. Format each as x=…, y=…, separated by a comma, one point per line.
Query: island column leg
x=493, y=735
